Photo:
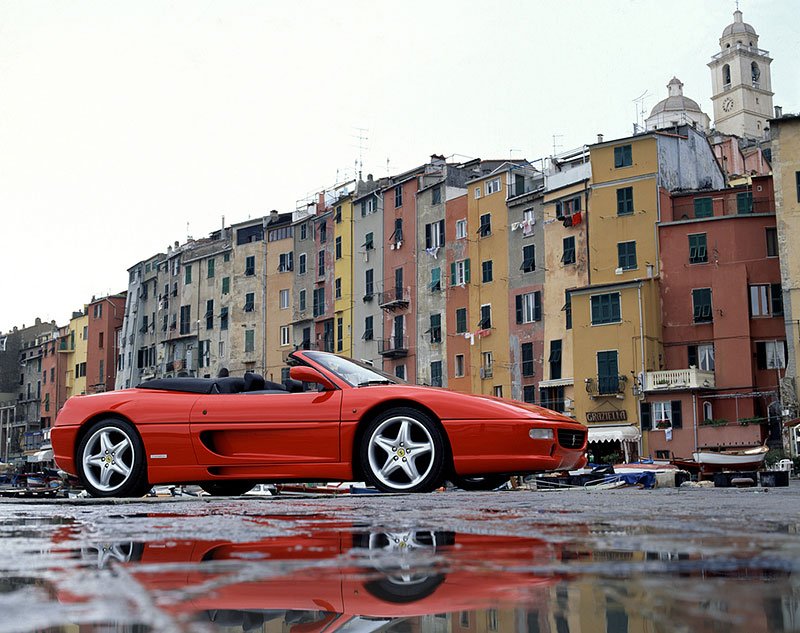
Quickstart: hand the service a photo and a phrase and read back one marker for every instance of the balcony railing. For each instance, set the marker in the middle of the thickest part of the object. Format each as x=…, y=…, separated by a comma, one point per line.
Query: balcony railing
x=393, y=347
x=678, y=379
x=393, y=299
x=740, y=46
x=606, y=386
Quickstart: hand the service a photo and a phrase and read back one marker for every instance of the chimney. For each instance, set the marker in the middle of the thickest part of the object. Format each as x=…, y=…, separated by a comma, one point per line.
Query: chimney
x=599, y=138
x=778, y=112
x=370, y=178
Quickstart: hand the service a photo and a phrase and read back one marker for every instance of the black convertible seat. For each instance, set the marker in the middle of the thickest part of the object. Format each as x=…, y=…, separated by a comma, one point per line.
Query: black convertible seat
x=187, y=385
x=233, y=384
x=251, y=383
x=293, y=386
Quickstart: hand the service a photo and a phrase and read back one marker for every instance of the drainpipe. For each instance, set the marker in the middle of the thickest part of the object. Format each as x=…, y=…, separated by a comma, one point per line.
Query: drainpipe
x=264, y=302
x=694, y=419
x=641, y=348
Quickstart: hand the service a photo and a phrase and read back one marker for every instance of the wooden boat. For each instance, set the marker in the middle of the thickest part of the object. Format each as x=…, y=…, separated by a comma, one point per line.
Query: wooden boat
x=745, y=459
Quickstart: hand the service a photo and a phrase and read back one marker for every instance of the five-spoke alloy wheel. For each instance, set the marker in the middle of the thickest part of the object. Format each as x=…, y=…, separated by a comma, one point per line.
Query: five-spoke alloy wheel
x=402, y=450
x=111, y=460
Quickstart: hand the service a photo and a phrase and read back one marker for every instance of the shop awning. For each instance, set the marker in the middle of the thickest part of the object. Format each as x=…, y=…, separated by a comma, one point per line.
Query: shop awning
x=41, y=456
x=614, y=433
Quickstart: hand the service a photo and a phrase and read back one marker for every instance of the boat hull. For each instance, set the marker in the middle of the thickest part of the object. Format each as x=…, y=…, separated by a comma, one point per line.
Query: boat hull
x=732, y=460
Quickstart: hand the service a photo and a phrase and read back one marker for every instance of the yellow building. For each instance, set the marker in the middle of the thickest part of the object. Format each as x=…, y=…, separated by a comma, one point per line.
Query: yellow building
x=617, y=317
x=343, y=275
x=486, y=272
x=75, y=347
x=566, y=263
x=278, y=339
x=786, y=175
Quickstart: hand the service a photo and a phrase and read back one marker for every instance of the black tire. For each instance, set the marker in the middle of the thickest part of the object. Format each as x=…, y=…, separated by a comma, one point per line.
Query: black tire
x=96, y=459
x=480, y=482
x=384, y=441
x=234, y=488
x=401, y=583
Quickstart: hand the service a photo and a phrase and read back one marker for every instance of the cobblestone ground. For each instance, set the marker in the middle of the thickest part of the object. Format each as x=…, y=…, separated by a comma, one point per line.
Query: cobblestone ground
x=610, y=561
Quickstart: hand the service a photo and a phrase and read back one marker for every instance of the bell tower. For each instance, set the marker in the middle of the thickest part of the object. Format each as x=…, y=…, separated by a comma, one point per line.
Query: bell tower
x=741, y=82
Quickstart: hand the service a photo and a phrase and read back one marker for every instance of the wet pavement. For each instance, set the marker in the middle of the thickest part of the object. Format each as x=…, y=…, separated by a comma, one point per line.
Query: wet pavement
x=612, y=561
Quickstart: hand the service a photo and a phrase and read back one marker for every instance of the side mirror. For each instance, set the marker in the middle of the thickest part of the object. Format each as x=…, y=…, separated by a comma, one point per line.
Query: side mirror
x=309, y=374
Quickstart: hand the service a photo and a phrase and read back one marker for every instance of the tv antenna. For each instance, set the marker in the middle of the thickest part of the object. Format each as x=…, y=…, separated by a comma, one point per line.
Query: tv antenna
x=556, y=144
x=362, y=136
x=640, y=109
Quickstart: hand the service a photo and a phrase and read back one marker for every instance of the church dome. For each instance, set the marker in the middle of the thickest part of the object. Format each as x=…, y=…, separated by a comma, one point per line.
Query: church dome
x=676, y=110
x=738, y=27
x=675, y=102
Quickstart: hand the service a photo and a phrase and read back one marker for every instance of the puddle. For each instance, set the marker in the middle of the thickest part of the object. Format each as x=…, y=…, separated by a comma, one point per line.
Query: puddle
x=306, y=570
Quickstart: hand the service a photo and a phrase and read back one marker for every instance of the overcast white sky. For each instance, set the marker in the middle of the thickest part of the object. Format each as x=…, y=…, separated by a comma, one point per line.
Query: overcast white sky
x=121, y=122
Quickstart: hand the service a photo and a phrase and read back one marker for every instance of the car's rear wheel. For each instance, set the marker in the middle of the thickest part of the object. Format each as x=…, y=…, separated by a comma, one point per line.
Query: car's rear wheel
x=402, y=450
x=111, y=460
x=480, y=482
x=227, y=488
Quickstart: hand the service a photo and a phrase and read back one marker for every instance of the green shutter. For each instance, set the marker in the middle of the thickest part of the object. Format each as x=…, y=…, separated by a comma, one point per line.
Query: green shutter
x=453, y=274
x=518, y=299
x=466, y=271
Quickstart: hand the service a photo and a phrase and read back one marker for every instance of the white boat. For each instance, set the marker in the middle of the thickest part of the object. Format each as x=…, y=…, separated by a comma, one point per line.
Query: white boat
x=745, y=459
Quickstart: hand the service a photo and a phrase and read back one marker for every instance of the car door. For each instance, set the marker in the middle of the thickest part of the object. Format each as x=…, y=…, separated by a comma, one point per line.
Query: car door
x=269, y=428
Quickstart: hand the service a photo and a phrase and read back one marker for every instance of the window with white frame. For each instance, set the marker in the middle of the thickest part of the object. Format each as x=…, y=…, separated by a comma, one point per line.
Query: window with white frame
x=477, y=192
x=301, y=263
x=286, y=335
x=771, y=354
x=462, y=274
x=527, y=216
x=531, y=307
x=284, y=298
x=461, y=229
x=662, y=414
x=459, y=369
x=708, y=411
x=493, y=186
x=498, y=391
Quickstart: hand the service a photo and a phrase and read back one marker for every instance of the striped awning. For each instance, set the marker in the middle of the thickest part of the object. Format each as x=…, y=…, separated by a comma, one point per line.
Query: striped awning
x=614, y=433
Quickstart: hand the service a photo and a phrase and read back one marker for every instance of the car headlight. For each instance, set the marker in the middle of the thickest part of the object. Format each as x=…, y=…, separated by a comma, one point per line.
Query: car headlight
x=541, y=434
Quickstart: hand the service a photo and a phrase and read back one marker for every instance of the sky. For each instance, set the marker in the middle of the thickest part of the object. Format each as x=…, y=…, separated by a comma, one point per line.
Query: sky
x=127, y=126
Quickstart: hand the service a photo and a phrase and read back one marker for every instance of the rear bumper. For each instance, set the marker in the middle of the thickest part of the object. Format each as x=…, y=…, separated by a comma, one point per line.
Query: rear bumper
x=63, y=440
x=504, y=446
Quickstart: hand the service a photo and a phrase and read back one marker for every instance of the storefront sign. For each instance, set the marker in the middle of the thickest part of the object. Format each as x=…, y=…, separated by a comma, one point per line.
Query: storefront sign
x=607, y=416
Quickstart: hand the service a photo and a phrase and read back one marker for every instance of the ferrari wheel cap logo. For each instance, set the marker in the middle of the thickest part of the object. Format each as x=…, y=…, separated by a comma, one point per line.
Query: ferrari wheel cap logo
x=401, y=452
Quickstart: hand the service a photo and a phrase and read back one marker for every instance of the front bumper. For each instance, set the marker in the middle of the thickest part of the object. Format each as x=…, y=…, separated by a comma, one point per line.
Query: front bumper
x=504, y=446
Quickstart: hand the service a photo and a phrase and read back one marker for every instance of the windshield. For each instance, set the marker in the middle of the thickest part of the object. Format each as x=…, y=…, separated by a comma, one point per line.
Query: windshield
x=355, y=373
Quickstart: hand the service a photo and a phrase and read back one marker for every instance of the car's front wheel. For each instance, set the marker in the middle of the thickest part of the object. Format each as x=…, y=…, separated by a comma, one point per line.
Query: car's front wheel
x=402, y=450
x=227, y=488
x=111, y=460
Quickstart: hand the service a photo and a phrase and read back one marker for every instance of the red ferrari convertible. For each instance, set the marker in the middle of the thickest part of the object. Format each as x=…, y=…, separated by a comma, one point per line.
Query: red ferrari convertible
x=335, y=420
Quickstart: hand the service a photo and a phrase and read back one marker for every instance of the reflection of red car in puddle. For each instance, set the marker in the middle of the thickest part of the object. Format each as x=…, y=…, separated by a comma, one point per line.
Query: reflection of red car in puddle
x=320, y=581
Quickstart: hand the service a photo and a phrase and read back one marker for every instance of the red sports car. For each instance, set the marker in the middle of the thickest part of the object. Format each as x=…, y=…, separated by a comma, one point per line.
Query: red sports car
x=335, y=420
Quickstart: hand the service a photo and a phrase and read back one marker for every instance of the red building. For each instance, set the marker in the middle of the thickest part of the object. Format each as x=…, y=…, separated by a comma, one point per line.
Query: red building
x=52, y=380
x=105, y=321
x=398, y=298
x=723, y=334
x=459, y=350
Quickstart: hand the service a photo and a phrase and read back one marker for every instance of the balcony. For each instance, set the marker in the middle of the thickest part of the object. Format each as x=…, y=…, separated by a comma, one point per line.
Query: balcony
x=740, y=46
x=678, y=379
x=394, y=347
x=606, y=386
x=396, y=299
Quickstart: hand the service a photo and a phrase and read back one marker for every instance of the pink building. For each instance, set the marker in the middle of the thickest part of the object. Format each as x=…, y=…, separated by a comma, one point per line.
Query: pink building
x=105, y=321
x=723, y=334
